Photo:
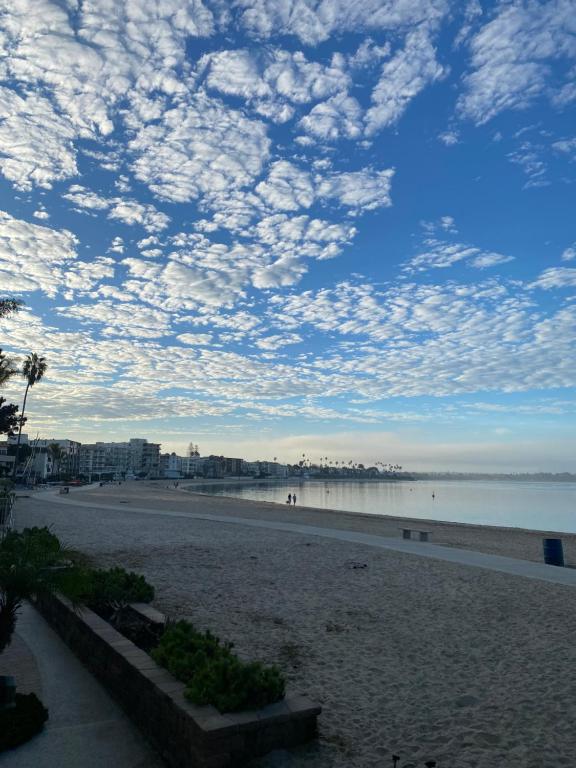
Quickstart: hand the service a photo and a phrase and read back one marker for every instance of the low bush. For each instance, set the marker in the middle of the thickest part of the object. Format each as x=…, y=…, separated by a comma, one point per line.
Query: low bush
x=231, y=685
x=115, y=587
x=105, y=591
x=213, y=673
x=22, y=722
x=183, y=650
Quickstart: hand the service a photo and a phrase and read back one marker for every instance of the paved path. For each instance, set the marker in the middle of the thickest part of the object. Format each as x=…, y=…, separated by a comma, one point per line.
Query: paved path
x=524, y=568
x=86, y=728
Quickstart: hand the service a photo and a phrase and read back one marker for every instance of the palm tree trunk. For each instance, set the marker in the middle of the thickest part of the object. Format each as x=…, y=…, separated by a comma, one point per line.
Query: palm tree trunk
x=20, y=433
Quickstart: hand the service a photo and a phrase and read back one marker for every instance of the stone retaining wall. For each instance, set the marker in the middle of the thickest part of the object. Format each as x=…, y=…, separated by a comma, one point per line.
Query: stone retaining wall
x=187, y=736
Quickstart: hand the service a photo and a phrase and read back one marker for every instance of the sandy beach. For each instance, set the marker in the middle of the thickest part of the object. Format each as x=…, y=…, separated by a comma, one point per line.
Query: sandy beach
x=407, y=655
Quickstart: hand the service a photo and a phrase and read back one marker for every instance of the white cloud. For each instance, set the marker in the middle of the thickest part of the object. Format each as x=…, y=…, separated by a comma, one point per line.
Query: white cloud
x=361, y=190
x=36, y=143
x=33, y=257
x=277, y=341
x=195, y=339
x=569, y=254
x=511, y=57
x=127, y=211
x=556, y=277
x=336, y=118
x=127, y=319
x=198, y=148
x=313, y=22
x=402, y=78
x=441, y=255
x=273, y=75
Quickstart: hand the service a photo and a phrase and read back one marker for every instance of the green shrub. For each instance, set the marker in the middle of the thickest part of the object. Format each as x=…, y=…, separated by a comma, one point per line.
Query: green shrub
x=118, y=586
x=105, y=590
x=20, y=723
x=213, y=673
x=231, y=685
x=183, y=650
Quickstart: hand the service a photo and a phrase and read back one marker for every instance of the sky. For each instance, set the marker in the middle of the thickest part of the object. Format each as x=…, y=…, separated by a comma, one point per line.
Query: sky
x=276, y=227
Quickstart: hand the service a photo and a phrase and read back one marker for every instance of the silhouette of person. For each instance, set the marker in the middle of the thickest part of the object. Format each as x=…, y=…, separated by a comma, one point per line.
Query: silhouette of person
x=289, y=499
x=294, y=499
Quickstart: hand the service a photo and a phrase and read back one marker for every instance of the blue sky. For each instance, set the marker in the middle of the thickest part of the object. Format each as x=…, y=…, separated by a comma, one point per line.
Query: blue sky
x=285, y=226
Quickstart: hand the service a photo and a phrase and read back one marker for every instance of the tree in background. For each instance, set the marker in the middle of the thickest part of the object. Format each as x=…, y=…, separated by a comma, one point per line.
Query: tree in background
x=8, y=418
x=33, y=371
x=7, y=306
x=56, y=454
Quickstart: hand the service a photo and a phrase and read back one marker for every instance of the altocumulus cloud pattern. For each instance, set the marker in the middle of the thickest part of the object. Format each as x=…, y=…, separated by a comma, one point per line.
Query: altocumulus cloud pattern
x=309, y=212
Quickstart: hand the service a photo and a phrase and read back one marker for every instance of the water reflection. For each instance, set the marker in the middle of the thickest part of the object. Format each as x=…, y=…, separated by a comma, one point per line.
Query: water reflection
x=541, y=506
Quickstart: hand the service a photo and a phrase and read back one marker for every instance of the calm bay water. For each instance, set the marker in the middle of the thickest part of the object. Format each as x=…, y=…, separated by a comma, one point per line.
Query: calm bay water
x=540, y=506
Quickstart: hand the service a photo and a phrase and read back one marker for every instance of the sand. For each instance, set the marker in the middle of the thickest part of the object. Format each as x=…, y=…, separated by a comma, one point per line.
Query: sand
x=417, y=657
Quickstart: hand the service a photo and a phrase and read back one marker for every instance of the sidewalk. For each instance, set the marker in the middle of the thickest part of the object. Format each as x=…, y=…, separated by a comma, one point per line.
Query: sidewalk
x=85, y=727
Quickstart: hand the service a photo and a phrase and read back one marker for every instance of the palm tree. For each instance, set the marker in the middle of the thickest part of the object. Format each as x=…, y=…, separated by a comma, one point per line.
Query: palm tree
x=56, y=454
x=33, y=371
x=9, y=305
x=7, y=368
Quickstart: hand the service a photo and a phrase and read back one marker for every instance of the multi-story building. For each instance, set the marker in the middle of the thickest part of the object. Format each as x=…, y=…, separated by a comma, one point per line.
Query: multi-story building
x=48, y=457
x=137, y=458
x=171, y=465
x=192, y=466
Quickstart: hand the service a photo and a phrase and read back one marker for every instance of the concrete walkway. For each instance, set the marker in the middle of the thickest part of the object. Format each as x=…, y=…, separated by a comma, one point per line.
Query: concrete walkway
x=509, y=565
x=86, y=727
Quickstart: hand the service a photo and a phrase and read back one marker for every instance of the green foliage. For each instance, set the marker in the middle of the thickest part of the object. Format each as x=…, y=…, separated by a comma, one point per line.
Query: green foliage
x=22, y=722
x=183, y=650
x=25, y=561
x=28, y=566
x=232, y=685
x=112, y=588
x=213, y=673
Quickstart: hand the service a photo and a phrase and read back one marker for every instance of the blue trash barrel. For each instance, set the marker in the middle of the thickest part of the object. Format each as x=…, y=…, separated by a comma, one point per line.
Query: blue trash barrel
x=553, y=552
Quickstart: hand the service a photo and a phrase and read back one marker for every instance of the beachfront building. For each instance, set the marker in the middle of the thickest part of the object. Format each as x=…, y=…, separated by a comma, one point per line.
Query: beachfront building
x=47, y=458
x=193, y=466
x=266, y=469
x=171, y=466
x=113, y=461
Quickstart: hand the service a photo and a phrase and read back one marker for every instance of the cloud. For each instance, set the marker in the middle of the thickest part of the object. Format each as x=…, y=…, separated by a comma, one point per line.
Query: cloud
x=128, y=319
x=339, y=117
x=441, y=255
x=195, y=339
x=33, y=257
x=556, y=277
x=313, y=22
x=127, y=211
x=512, y=55
x=36, y=143
x=198, y=148
x=402, y=78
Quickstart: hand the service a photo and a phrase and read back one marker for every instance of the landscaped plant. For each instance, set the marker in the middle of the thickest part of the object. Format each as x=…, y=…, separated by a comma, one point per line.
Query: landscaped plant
x=232, y=685
x=213, y=673
x=19, y=723
x=108, y=592
x=27, y=561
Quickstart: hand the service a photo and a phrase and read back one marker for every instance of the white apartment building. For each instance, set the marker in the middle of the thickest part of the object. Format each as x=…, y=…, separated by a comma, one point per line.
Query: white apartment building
x=171, y=465
x=137, y=458
x=44, y=463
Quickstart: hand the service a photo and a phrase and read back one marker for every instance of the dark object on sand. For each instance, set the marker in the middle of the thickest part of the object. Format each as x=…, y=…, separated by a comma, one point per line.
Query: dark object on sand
x=553, y=552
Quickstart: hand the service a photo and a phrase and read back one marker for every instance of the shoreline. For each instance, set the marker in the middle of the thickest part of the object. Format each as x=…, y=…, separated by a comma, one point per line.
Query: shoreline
x=521, y=543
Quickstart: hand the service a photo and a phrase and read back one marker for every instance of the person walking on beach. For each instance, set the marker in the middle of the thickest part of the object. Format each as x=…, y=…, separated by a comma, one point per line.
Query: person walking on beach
x=289, y=499
x=294, y=499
